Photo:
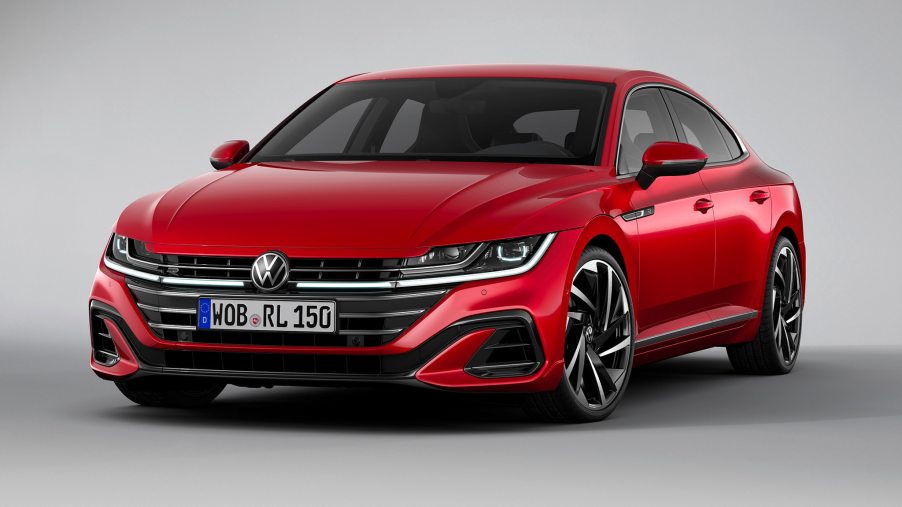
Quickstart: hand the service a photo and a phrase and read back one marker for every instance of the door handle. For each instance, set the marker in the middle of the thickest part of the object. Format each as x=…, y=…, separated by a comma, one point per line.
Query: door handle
x=759, y=196
x=703, y=205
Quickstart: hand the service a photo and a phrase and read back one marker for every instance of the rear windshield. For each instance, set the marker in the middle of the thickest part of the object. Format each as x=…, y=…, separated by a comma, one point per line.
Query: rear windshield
x=467, y=119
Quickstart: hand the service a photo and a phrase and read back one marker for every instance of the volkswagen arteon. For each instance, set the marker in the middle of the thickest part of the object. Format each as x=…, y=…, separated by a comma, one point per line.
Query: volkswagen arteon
x=526, y=229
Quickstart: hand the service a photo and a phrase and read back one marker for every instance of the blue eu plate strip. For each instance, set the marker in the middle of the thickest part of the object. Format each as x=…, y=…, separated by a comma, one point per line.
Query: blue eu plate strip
x=203, y=313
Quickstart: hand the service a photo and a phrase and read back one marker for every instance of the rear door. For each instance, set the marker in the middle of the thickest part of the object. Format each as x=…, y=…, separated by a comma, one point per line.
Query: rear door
x=676, y=242
x=741, y=212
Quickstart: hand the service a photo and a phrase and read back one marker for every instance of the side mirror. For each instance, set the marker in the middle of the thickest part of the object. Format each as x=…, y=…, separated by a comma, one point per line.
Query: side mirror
x=229, y=153
x=666, y=158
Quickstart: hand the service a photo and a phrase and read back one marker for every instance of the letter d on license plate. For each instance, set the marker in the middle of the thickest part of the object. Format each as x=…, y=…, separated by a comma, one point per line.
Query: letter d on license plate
x=267, y=315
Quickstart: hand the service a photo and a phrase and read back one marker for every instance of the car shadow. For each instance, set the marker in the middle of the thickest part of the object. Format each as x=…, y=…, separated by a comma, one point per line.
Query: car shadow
x=695, y=390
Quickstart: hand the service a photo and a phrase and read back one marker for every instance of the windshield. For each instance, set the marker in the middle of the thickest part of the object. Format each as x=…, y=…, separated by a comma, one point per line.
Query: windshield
x=469, y=119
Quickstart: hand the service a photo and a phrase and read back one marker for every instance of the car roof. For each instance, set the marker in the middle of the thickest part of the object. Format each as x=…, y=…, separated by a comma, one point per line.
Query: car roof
x=571, y=72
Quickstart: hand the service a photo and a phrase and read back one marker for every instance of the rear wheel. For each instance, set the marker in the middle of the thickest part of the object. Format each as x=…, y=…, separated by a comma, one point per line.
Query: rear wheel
x=171, y=392
x=598, y=344
x=776, y=347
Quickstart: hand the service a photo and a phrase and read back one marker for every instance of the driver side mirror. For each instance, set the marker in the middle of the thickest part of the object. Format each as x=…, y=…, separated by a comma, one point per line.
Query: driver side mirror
x=229, y=153
x=666, y=158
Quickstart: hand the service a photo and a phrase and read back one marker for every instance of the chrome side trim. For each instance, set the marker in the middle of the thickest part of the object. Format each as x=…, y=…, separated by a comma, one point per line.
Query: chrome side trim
x=704, y=326
x=639, y=213
x=742, y=148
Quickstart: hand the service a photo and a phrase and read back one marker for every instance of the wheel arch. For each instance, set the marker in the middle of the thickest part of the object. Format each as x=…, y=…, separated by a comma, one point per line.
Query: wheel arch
x=789, y=226
x=618, y=238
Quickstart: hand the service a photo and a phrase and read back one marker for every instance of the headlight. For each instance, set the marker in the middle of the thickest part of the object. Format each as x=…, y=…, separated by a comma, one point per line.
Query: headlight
x=119, y=248
x=505, y=255
x=133, y=253
x=472, y=258
x=441, y=256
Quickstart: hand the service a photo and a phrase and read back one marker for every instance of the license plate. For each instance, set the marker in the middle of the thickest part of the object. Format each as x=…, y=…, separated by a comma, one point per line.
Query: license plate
x=266, y=315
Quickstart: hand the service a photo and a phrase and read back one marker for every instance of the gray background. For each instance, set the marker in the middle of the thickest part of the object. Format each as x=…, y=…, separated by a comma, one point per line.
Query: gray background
x=101, y=102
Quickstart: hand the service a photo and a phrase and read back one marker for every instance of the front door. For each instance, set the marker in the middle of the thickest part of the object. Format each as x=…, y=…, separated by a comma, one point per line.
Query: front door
x=674, y=223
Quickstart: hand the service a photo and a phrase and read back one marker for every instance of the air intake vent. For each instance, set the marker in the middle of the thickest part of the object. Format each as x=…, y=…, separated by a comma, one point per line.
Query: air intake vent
x=511, y=351
x=102, y=344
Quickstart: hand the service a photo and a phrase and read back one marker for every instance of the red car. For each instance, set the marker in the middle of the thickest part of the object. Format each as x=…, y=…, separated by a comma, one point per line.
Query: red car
x=531, y=229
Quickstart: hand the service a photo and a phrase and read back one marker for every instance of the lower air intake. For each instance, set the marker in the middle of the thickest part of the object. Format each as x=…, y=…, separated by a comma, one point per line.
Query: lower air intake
x=510, y=351
x=104, y=349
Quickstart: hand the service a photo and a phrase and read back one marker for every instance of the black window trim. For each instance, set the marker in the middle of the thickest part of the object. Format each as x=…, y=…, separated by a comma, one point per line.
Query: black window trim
x=743, y=151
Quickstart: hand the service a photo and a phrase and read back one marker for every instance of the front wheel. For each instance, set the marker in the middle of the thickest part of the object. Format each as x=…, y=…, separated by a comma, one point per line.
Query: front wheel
x=598, y=344
x=176, y=393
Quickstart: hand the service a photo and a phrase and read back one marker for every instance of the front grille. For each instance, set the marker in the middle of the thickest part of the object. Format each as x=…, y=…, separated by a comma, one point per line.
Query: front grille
x=365, y=319
x=302, y=270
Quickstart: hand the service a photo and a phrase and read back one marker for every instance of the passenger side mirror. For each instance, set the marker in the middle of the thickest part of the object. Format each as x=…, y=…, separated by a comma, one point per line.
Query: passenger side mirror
x=229, y=153
x=666, y=158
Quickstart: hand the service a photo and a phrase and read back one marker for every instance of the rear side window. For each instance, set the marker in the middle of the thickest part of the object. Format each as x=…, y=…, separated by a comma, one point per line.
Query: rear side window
x=701, y=128
x=732, y=143
x=645, y=122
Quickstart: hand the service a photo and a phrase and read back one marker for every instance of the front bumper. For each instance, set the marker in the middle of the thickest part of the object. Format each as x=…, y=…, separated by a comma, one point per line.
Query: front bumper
x=434, y=351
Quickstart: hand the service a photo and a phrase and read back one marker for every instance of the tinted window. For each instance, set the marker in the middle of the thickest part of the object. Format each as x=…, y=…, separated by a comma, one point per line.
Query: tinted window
x=334, y=132
x=645, y=122
x=550, y=126
x=699, y=127
x=729, y=138
x=529, y=120
x=403, y=131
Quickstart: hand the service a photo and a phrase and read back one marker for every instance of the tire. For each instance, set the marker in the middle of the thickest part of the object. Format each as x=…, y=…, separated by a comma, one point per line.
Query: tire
x=775, y=349
x=174, y=393
x=598, y=345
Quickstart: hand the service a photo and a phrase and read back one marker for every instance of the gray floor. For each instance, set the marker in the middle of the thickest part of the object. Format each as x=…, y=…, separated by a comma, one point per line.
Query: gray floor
x=689, y=432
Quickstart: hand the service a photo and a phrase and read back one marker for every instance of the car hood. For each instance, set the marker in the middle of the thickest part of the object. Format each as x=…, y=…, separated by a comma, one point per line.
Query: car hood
x=339, y=205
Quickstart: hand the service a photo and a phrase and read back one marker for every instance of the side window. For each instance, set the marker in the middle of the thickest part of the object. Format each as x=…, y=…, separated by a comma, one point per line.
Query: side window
x=404, y=128
x=700, y=128
x=645, y=122
x=729, y=138
x=332, y=135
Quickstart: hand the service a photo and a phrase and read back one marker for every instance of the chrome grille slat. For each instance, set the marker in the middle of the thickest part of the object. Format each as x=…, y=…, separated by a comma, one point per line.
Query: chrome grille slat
x=345, y=270
x=228, y=267
x=304, y=295
x=164, y=309
x=157, y=325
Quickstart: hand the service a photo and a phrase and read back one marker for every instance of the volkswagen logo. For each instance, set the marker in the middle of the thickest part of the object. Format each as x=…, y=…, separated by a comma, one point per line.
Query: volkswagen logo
x=270, y=271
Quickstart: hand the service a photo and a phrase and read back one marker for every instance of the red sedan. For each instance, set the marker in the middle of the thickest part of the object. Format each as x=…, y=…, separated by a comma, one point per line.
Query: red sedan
x=530, y=229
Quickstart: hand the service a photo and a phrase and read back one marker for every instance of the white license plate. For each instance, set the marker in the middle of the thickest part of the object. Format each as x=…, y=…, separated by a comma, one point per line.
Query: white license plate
x=266, y=315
